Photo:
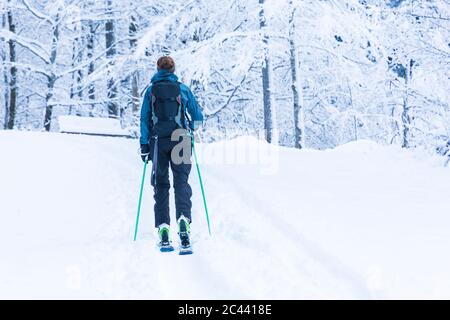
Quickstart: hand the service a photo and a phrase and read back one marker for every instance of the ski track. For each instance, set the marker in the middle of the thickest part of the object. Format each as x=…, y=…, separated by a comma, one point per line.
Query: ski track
x=337, y=272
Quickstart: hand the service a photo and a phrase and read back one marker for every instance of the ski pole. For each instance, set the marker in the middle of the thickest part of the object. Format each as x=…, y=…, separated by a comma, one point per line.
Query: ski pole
x=140, y=201
x=201, y=185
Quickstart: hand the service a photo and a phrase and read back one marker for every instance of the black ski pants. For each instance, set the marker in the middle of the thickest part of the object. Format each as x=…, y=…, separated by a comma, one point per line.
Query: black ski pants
x=161, y=183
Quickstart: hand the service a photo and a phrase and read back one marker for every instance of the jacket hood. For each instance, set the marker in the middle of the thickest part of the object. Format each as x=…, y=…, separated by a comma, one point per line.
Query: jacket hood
x=164, y=75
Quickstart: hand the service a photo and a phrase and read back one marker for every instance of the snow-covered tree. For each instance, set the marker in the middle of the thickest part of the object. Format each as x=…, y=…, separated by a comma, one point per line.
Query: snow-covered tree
x=9, y=69
x=313, y=74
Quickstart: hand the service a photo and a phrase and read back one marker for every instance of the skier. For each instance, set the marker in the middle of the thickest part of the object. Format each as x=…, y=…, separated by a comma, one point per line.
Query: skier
x=169, y=105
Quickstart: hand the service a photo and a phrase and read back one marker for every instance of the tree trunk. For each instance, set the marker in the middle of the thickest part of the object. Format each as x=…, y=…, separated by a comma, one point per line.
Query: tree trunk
x=52, y=77
x=77, y=56
x=135, y=92
x=73, y=85
x=267, y=100
x=11, y=114
x=297, y=108
x=5, y=93
x=355, y=121
x=406, y=119
x=91, y=68
x=49, y=106
x=135, y=76
x=5, y=71
x=110, y=38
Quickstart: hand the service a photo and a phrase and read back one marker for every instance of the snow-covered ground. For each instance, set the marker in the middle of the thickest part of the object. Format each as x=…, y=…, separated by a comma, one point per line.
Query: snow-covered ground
x=360, y=221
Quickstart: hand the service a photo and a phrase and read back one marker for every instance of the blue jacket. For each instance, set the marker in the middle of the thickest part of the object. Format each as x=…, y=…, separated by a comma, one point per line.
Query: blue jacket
x=188, y=102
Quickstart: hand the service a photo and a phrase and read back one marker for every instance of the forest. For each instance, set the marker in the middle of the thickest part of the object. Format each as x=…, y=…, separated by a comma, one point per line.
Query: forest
x=305, y=73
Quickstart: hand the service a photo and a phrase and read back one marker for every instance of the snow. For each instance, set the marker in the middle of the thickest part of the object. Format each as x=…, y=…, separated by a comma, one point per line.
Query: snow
x=359, y=221
x=89, y=125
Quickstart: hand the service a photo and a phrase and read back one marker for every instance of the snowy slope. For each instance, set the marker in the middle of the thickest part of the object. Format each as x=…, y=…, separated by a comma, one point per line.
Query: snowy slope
x=360, y=221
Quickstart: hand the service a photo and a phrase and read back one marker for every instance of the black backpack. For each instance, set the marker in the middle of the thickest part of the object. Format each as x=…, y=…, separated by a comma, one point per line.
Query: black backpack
x=167, y=110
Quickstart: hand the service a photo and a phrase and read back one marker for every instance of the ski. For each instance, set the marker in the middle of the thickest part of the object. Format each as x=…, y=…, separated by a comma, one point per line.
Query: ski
x=184, y=230
x=185, y=250
x=167, y=247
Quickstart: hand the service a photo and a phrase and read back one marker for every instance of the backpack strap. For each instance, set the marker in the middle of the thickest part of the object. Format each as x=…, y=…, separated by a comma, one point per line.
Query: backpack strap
x=178, y=116
x=154, y=117
x=183, y=120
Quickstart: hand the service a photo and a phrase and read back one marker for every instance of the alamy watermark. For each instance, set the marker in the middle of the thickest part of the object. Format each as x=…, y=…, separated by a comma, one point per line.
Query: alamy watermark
x=241, y=151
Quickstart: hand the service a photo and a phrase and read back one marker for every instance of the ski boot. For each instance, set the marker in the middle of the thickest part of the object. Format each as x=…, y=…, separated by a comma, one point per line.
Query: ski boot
x=183, y=232
x=165, y=244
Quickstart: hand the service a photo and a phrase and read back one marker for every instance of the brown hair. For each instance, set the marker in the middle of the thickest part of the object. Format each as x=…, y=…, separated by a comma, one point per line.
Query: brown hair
x=166, y=63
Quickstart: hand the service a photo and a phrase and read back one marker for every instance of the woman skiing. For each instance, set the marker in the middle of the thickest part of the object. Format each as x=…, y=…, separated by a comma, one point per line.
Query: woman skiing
x=169, y=106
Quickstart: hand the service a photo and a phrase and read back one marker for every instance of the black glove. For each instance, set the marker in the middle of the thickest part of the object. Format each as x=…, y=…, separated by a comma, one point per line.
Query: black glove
x=145, y=152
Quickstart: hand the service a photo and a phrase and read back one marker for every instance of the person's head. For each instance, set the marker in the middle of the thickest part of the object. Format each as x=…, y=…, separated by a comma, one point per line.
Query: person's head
x=166, y=63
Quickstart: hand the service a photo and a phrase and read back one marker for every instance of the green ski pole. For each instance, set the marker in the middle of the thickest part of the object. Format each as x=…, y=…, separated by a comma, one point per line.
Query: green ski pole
x=140, y=201
x=201, y=185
